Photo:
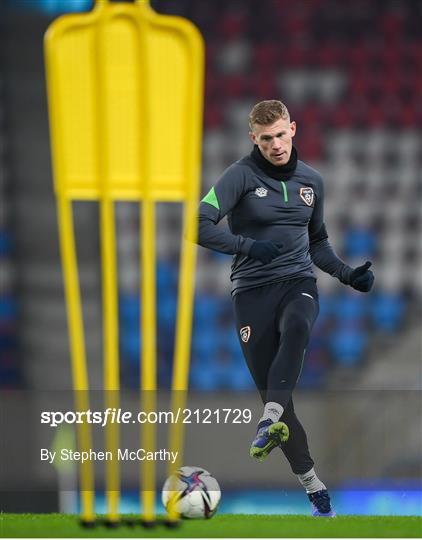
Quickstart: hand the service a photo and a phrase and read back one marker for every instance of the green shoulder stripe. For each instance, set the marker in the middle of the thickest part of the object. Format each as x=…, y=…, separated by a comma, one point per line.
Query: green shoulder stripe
x=211, y=198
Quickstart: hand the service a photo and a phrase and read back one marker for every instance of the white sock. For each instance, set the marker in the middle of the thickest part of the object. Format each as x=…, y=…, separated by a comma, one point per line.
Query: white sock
x=311, y=482
x=272, y=411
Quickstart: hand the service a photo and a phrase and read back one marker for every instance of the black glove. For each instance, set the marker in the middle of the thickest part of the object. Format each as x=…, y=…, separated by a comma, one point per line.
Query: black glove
x=361, y=278
x=264, y=251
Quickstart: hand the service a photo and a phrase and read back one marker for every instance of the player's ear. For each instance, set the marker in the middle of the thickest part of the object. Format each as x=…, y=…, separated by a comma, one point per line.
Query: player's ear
x=293, y=128
x=252, y=137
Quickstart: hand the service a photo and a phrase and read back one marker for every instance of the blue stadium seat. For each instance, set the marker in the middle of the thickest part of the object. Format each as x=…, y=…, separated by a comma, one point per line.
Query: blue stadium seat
x=387, y=310
x=5, y=243
x=205, y=341
x=53, y=6
x=167, y=276
x=326, y=305
x=207, y=309
x=239, y=377
x=348, y=345
x=8, y=308
x=130, y=345
x=167, y=311
x=205, y=378
x=129, y=309
x=360, y=242
x=350, y=306
x=231, y=342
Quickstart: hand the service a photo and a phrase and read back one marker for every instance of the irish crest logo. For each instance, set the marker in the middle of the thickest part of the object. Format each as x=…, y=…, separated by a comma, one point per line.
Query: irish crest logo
x=261, y=192
x=245, y=333
x=307, y=195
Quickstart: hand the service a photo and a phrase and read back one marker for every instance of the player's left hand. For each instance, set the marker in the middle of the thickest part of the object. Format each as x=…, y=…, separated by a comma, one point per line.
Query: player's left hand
x=362, y=278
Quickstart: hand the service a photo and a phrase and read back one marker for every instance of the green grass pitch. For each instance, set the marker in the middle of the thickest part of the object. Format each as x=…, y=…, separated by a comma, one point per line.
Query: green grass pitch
x=240, y=526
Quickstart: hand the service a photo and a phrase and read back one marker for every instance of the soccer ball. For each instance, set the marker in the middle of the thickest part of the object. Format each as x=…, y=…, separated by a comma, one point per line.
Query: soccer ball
x=194, y=491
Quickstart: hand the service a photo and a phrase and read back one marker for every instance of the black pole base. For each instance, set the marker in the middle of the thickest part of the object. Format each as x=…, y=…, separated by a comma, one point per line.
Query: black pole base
x=172, y=524
x=148, y=524
x=88, y=524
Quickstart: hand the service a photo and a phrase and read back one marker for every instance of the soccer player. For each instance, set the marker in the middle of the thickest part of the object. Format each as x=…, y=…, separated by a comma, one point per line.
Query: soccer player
x=274, y=203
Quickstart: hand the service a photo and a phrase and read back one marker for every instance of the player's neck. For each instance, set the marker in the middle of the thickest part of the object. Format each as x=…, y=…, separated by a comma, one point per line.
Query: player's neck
x=279, y=172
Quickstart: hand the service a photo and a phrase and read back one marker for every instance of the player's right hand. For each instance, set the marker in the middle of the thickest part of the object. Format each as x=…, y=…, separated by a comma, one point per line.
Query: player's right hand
x=362, y=278
x=264, y=251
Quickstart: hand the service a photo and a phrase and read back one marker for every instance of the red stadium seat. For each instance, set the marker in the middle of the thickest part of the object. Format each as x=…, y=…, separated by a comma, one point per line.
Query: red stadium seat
x=311, y=114
x=293, y=56
x=357, y=56
x=391, y=24
x=265, y=55
x=213, y=115
x=311, y=143
x=376, y=116
x=263, y=84
x=233, y=24
x=341, y=116
x=236, y=86
x=329, y=55
x=407, y=116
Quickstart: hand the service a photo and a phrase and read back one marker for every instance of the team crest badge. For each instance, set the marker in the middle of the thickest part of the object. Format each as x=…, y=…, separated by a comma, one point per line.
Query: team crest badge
x=261, y=192
x=307, y=195
x=245, y=333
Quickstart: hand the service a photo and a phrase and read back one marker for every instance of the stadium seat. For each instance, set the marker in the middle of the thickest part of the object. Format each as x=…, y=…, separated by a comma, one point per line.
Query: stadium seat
x=350, y=307
x=130, y=345
x=205, y=341
x=167, y=310
x=387, y=311
x=129, y=309
x=360, y=242
x=205, y=378
x=206, y=310
x=239, y=377
x=348, y=345
x=326, y=306
x=8, y=308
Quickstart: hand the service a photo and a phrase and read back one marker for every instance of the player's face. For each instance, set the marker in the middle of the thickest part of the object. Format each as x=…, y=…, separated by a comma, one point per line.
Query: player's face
x=275, y=140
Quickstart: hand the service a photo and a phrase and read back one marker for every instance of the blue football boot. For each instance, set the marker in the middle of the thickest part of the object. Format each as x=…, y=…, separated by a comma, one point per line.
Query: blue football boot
x=269, y=435
x=321, y=505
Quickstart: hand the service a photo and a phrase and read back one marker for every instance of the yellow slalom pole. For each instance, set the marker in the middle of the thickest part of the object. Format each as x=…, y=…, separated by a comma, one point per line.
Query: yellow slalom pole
x=77, y=350
x=111, y=373
x=180, y=380
x=186, y=289
x=186, y=296
x=111, y=351
x=149, y=359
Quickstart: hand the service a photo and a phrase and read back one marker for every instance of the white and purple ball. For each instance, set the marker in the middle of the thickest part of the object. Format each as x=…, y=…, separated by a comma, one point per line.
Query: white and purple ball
x=195, y=492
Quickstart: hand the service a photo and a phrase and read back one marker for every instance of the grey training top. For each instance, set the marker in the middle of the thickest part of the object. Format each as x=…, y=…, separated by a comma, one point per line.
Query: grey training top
x=289, y=213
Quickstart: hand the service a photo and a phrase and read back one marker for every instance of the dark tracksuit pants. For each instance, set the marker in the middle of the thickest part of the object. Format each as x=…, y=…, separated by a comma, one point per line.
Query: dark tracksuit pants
x=274, y=323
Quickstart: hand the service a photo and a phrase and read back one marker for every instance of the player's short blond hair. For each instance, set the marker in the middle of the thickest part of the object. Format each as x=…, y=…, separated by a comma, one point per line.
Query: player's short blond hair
x=267, y=112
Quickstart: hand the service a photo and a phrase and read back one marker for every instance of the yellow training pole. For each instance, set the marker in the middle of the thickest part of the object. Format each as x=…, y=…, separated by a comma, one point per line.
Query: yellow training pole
x=111, y=373
x=149, y=355
x=111, y=351
x=77, y=351
x=148, y=329
x=186, y=289
x=181, y=364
